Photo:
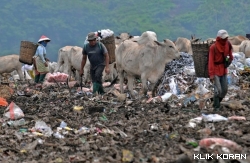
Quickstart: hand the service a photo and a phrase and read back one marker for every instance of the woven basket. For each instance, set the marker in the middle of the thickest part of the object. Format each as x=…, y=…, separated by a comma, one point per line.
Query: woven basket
x=200, y=57
x=27, y=51
x=109, y=43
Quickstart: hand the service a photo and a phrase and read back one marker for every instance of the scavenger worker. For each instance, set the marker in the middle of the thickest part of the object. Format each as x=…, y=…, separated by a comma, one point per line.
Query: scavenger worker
x=220, y=57
x=40, y=61
x=98, y=58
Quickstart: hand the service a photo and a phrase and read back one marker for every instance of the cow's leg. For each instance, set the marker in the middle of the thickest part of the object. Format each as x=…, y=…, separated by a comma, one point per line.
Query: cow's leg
x=69, y=72
x=121, y=80
x=144, y=85
x=86, y=73
x=130, y=85
x=152, y=88
x=20, y=73
x=77, y=76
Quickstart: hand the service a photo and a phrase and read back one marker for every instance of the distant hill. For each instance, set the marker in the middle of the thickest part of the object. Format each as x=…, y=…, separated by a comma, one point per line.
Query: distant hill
x=68, y=22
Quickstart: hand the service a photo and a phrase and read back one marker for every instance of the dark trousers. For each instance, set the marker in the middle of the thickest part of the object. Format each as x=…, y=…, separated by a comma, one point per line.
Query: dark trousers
x=220, y=90
x=39, y=78
x=96, y=74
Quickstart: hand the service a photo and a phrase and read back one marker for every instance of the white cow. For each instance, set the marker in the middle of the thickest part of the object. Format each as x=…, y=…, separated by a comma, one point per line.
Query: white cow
x=184, y=44
x=71, y=56
x=75, y=62
x=145, y=60
x=237, y=40
x=122, y=37
x=146, y=37
x=10, y=63
x=63, y=57
x=245, y=48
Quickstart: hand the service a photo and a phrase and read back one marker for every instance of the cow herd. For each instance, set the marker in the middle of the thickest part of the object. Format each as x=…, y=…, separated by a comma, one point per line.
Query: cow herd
x=136, y=56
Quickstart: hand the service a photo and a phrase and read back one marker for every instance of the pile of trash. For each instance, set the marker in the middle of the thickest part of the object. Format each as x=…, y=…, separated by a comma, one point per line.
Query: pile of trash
x=180, y=81
x=63, y=123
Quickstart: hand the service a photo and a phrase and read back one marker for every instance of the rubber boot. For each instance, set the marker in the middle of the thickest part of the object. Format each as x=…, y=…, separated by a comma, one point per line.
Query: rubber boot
x=95, y=88
x=37, y=78
x=100, y=90
x=216, y=104
x=220, y=99
x=41, y=79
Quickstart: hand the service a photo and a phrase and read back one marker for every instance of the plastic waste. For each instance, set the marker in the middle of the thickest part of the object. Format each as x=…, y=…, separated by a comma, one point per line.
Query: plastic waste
x=41, y=127
x=83, y=140
x=188, y=100
x=78, y=108
x=194, y=144
x=237, y=118
x=103, y=118
x=14, y=111
x=166, y=96
x=3, y=102
x=248, y=62
x=172, y=86
x=154, y=127
x=58, y=135
x=83, y=130
x=23, y=130
x=193, y=122
x=201, y=89
x=229, y=79
x=19, y=122
x=63, y=124
x=127, y=156
x=211, y=142
x=213, y=118
x=189, y=70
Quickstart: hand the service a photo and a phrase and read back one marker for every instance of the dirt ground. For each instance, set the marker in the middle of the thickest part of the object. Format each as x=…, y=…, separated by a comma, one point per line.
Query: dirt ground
x=115, y=131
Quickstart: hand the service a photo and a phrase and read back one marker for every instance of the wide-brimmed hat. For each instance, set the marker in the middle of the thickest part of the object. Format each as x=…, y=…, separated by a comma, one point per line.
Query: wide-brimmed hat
x=92, y=36
x=222, y=34
x=43, y=38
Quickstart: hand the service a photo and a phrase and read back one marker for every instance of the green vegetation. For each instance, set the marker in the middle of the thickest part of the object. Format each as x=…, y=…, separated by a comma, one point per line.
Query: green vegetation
x=68, y=22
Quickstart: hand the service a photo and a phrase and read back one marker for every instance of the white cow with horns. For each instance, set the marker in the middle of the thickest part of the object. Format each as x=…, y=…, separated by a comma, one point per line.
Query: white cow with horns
x=146, y=59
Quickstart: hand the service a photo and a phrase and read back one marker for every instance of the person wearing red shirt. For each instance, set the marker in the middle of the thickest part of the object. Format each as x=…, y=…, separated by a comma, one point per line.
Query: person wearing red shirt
x=220, y=57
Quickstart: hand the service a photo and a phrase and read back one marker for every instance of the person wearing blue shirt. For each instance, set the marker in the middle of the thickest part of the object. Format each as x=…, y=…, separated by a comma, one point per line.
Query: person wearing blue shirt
x=40, y=60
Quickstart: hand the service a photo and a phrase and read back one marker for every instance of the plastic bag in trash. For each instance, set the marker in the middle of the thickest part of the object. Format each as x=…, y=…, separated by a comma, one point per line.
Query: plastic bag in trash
x=14, y=111
x=211, y=142
x=188, y=100
x=173, y=87
x=189, y=70
x=43, y=128
x=213, y=118
x=201, y=90
x=248, y=62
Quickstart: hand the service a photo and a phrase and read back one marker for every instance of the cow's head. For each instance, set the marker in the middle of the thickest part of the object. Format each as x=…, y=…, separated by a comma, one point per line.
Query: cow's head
x=170, y=51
